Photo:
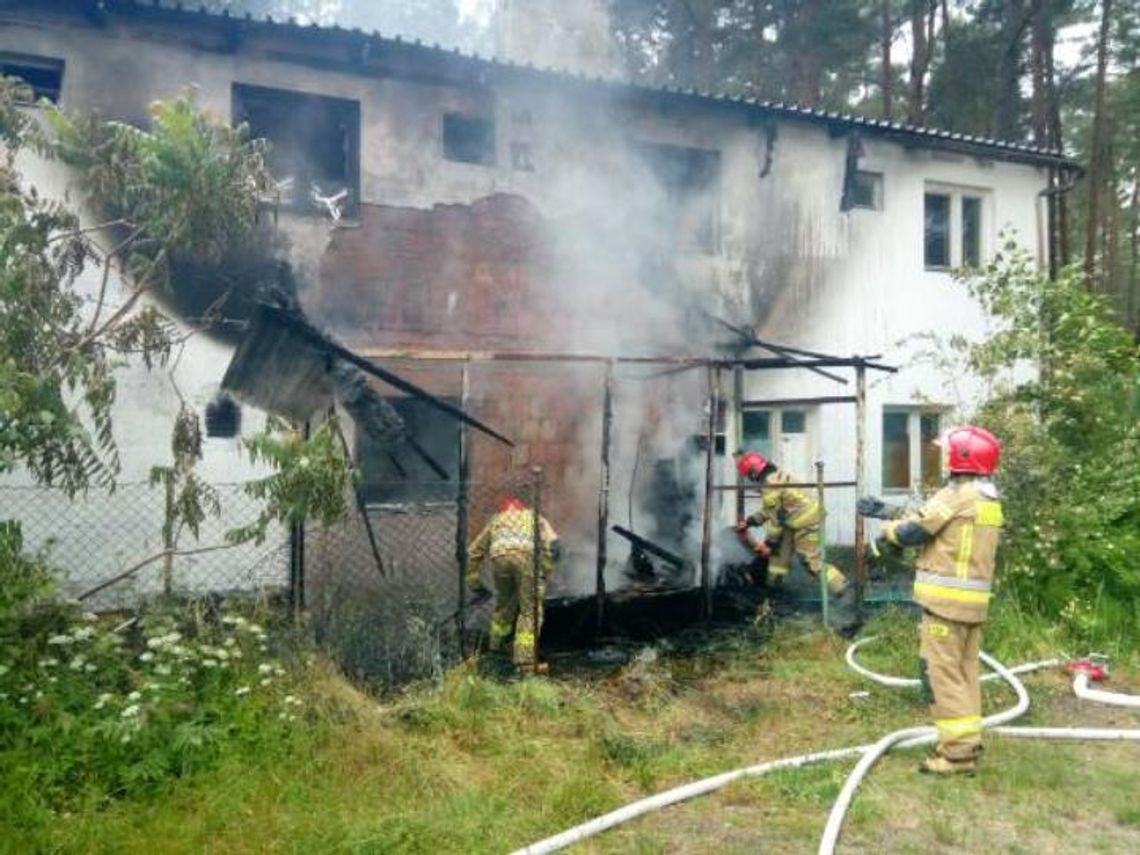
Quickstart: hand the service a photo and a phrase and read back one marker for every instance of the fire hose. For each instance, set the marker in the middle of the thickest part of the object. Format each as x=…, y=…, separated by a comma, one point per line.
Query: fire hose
x=868, y=754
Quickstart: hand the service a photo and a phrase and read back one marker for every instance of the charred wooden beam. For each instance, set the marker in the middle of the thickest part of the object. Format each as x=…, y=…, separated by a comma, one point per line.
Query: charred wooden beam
x=649, y=546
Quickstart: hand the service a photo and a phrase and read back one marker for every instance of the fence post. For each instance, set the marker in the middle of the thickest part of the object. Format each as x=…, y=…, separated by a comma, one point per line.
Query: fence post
x=297, y=556
x=706, y=532
x=462, y=521
x=168, y=535
x=860, y=484
x=536, y=598
x=823, y=590
x=604, y=498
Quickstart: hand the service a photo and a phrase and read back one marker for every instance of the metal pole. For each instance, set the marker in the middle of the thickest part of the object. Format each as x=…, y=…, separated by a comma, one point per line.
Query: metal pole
x=604, y=497
x=462, y=520
x=297, y=554
x=860, y=485
x=536, y=581
x=738, y=410
x=823, y=592
x=706, y=533
x=168, y=534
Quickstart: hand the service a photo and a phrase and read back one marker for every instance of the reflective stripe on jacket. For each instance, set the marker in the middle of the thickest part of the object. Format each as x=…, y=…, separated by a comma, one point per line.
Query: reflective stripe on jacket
x=785, y=507
x=956, y=567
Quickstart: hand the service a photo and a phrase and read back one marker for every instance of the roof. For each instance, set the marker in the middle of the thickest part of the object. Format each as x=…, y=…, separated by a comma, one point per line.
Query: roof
x=99, y=11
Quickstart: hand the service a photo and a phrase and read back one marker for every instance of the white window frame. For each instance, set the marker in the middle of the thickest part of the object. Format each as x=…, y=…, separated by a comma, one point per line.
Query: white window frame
x=957, y=193
x=914, y=440
x=776, y=434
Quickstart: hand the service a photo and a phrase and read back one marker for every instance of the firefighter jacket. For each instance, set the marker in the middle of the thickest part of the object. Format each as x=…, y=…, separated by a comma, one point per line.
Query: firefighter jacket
x=958, y=529
x=785, y=507
x=511, y=533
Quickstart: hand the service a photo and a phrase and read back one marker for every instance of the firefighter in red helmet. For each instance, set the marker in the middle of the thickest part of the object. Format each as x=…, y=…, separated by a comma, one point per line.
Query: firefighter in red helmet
x=507, y=544
x=957, y=532
x=791, y=518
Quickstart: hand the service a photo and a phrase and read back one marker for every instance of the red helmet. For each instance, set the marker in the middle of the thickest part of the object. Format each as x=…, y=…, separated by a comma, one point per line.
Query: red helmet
x=511, y=503
x=752, y=464
x=972, y=450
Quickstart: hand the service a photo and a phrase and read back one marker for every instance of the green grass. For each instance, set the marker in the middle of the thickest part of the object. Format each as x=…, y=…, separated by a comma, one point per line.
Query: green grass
x=475, y=765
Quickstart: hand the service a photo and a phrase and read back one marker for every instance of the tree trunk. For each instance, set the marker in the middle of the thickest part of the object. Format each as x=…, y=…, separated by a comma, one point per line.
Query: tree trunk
x=921, y=50
x=1040, y=45
x=1007, y=107
x=1097, y=149
x=1131, y=317
x=886, y=36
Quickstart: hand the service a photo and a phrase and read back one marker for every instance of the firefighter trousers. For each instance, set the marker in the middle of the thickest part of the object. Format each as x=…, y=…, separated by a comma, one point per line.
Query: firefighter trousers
x=951, y=683
x=804, y=544
x=519, y=598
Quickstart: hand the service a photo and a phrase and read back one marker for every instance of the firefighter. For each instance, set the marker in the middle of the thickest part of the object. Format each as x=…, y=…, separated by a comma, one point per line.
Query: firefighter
x=957, y=531
x=791, y=518
x=507, y=543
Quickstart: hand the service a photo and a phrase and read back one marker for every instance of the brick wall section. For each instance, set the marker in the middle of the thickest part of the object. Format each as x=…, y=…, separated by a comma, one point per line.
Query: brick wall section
x=460, y=277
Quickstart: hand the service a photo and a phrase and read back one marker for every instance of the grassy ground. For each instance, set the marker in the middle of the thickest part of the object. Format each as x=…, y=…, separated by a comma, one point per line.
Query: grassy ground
x=477, y=765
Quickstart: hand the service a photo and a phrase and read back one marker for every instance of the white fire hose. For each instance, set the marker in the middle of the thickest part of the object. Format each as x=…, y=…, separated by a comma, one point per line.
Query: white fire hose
x=868, y=754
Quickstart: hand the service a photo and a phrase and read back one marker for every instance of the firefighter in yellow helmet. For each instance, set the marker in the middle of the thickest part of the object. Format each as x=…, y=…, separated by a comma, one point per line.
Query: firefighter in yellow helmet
x=507, y=544
x=791, y=518
x=957, y=531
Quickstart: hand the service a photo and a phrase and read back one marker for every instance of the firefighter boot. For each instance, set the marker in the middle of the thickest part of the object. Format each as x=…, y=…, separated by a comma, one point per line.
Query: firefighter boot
x=936, y=764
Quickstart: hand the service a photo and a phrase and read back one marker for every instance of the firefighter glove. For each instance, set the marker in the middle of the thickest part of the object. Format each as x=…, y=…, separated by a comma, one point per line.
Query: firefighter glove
x=762, y=548
x=874, y=507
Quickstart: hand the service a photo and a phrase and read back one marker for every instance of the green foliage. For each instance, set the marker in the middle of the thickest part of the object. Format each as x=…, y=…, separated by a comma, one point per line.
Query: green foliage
x=91, y=712
x=1071, y=470
x=24, y=579
x=311, y=480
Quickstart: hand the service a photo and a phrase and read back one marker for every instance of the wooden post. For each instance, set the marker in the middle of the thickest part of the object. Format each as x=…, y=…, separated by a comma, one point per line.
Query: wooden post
x=462, y=500
x=706, y=533
x=604, y=497
x=738, y=409
x=860, y=484
x=824, y=593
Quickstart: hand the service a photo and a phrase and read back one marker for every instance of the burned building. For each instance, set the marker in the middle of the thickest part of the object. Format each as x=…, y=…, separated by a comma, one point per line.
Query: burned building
x=551, y=251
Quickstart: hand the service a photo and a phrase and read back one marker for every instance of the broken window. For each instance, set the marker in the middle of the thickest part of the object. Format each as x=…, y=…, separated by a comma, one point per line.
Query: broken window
x=690, y=179
x=469, y=139
x=43, y=76
x=223, y=417
x=867, y=191
x=936, y=237
x=395, y=474
x=314, y=145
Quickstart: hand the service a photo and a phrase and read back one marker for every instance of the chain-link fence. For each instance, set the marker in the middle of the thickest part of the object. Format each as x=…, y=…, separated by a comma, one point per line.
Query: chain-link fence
x=113, y=550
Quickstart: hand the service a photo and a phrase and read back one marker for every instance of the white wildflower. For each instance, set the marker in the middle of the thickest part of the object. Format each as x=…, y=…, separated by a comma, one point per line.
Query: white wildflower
x=266, y=681
x=89, y=667
x=90, y=617
x=53, y=679
x=209, y=663
x=162, y=670
x=134, y=696
x=255, y=629
x=146, y=656
x=4, y=669
x=61, y=639
x=84, y=633
x=282, y=716
x=230, y=642
x=101, y=701
x=242, y=690
x=278, y=671
x=221, y=654
x=23, y=700
x=131, y=711
x=264, y=668
x=125, y=738
x=47, y=663
x=77, y=663
x=236, y=654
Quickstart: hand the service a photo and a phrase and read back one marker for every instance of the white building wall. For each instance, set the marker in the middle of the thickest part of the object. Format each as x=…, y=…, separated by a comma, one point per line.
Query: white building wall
x=821, y=279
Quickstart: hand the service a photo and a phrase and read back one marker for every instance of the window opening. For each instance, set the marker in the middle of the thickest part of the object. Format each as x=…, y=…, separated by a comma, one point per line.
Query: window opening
x=867, y=191
x=223, y=418
x=43, y=75
x=937, y=230
x=896, y=451
x=469, y=139
x=971, y=231
x=314, y=145
x=930, y=428
x=690, y=178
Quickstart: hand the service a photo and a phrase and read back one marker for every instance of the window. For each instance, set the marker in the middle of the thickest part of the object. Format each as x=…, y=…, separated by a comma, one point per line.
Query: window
x=395, y=473
x=314, y=145
x=469, y=139
x=910, y=452
x=971, y=231
x=44, y=76
x=780, y=435
x=223, y=417
x=867, y=191
x=954, y=232
x=936, y=238
x=690, y=179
